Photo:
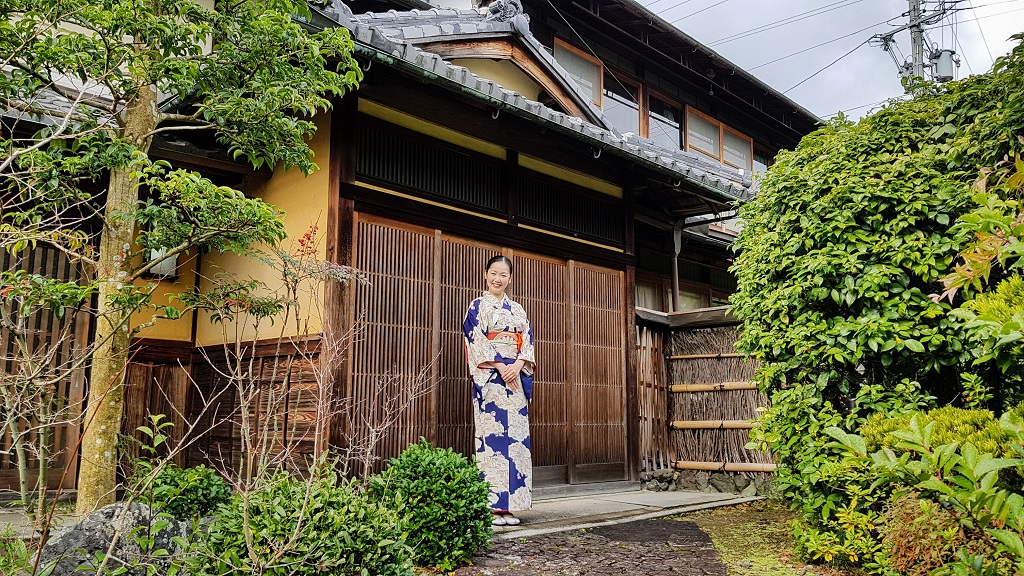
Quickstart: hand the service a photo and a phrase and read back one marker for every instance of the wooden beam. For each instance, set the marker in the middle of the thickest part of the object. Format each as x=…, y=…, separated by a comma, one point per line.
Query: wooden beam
x=721, y=386
x=700, y=356
x=368, y=200
x=723, y=466
x=340, y=237
x=712, y=425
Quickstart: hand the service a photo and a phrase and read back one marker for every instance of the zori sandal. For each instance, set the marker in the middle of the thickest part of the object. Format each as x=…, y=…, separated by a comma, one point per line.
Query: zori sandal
x=510, y=520
x=499, y=520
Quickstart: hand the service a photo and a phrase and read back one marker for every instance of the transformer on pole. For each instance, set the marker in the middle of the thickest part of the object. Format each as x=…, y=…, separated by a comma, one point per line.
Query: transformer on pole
x=941, y=63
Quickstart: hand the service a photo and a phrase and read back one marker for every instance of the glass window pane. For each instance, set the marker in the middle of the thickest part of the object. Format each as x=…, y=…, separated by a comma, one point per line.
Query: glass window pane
x=761, y=162
x=737, y=151
x=586, y=73
x=620, y=105
x=649, y=295
x=665, y=122
x=703, y=135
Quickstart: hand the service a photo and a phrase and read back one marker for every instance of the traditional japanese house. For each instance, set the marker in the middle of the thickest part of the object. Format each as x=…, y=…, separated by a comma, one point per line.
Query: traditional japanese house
x=599, y=147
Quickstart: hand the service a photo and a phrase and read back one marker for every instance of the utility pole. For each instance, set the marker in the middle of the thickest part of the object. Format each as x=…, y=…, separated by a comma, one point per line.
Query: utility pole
x=916, y=39
x=940, y=61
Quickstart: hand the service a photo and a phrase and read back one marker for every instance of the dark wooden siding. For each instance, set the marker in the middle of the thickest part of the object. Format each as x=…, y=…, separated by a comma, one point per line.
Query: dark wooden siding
x=70, y=335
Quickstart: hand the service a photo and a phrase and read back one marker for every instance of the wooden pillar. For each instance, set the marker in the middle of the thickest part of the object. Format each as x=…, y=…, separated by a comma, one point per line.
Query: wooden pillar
x=632, y=391
x=338, y=298
x=677, y=241
x=633, y=453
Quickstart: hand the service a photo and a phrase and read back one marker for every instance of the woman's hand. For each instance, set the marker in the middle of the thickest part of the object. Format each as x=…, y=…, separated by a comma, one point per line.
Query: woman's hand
x=510, y=373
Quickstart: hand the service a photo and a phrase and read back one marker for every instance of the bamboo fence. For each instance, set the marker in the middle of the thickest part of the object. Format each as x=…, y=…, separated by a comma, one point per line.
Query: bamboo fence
x=713, y=403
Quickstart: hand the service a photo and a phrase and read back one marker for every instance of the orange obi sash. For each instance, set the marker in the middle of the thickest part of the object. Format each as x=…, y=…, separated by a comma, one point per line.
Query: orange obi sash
x=509, y=337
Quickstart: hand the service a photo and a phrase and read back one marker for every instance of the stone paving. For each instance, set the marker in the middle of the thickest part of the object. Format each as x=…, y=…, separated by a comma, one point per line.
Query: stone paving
x=655, y=546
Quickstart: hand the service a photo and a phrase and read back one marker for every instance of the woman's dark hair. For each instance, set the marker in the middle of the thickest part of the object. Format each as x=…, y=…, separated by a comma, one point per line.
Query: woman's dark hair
x=496, y=259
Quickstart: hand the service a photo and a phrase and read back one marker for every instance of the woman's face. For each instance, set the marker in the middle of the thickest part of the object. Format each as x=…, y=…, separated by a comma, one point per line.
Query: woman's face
x=498, y=277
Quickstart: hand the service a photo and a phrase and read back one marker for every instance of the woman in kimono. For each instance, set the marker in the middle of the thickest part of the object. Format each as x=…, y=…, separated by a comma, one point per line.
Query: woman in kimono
x=499, y=349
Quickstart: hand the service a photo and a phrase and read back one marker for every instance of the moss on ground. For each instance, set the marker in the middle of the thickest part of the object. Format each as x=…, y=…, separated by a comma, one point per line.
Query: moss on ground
x=753, y=539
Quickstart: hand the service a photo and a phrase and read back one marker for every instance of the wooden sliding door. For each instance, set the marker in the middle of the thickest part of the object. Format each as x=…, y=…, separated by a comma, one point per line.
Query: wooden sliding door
x=410, y=313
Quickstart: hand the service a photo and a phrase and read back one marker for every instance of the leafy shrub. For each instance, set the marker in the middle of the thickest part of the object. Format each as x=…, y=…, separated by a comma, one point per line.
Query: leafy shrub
x=839, y=507
x=921, y=536
x=952, y=424
x=185, y=493
x=324, y=525
x=978, y=427
x=14, y=553
x=840, y=254
x=444, y=502
x=963, y=482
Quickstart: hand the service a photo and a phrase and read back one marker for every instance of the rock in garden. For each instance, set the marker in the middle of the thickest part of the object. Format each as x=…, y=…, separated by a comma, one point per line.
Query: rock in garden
x=741, y=481
x=723, y=483
x=749, y=491
x=75, y=548
x=702, y=480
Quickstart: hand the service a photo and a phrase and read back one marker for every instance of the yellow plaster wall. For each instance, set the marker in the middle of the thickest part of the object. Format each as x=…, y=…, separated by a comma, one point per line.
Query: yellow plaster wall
x=180, y=329
x=504, y=72
x=304, y=202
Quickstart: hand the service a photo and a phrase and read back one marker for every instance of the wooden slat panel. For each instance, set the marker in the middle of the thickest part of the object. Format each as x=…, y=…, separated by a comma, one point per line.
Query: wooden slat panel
x=598, y=410
x=64, y=339
x=653, y=400
x=461, y=282
x=393, y=345
x=538, y=285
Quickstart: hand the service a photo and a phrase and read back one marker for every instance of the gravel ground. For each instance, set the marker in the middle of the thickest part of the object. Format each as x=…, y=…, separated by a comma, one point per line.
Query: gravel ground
x=660, y=546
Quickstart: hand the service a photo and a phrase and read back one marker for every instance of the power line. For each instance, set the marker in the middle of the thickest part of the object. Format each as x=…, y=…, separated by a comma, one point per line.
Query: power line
x=956, y=40
x=787, y=56
x=859, y=107
x=672, y=7
x=990, y=58
x=719, y=3
x=784, y=21
x=827, y=66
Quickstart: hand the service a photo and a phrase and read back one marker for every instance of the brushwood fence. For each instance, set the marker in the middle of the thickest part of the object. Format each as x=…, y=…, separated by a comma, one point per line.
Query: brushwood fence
x=697, y=407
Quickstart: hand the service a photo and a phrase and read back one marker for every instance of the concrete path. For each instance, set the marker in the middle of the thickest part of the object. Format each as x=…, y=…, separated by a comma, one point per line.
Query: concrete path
x=560, y=514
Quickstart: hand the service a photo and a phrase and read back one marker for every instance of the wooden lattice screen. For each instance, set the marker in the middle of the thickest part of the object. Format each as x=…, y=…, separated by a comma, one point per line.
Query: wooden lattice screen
x=70, y=336
x=652, y=394
x=410, y=312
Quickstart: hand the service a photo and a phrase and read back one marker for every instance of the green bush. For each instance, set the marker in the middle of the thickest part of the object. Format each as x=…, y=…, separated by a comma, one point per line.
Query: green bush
x=295, y=527
x=968, y=524
x=952, y=424
x=185, y=493
x=15, y=557
x=444, y=502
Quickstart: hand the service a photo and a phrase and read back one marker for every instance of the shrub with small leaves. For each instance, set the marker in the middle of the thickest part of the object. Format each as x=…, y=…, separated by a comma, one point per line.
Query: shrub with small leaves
x=444, y=502
x=185, y=493
x=298, y=527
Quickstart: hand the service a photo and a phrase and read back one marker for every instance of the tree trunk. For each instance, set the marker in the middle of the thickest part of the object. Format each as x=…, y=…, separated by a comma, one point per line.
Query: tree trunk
x=97, y=473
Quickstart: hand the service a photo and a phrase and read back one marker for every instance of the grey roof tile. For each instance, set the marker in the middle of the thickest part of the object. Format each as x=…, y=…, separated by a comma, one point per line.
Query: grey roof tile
x=390, y=32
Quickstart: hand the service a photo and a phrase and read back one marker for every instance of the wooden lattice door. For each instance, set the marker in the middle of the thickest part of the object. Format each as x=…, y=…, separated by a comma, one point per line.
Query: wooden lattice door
x=410, y=313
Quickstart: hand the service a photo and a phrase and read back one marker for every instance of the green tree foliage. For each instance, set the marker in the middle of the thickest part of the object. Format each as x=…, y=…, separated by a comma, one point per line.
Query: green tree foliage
x=102, y=78
x=842, y=252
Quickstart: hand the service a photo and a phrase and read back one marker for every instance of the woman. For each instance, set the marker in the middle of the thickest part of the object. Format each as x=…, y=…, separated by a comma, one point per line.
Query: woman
x=499, y=349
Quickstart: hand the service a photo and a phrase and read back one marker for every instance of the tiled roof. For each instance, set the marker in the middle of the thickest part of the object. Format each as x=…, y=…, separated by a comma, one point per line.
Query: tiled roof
x=387, y=38
x=418, y=26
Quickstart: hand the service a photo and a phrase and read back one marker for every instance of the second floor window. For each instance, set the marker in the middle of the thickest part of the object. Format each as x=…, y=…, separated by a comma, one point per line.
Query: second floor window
x=622, y=104
x=711, y=137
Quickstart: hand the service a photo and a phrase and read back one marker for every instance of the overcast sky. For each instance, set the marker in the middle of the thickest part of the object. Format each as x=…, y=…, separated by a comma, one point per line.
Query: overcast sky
x=865, y=76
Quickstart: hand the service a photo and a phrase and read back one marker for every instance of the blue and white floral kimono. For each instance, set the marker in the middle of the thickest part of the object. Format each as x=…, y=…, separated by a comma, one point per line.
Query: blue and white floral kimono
x=497, y=330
